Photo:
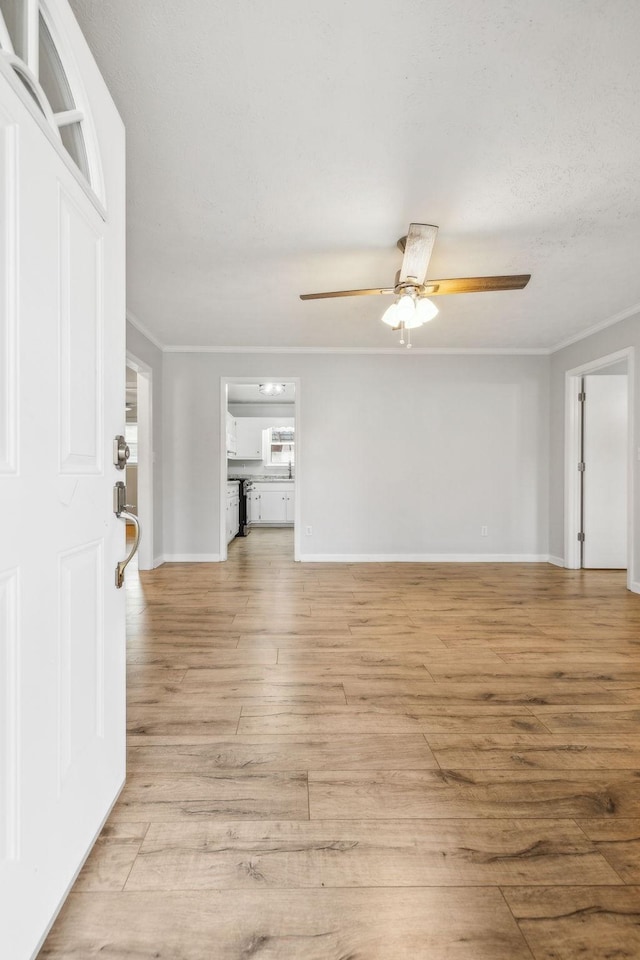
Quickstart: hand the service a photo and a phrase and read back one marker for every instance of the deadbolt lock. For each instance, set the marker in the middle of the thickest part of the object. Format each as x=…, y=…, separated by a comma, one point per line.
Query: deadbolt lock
x=121, y=452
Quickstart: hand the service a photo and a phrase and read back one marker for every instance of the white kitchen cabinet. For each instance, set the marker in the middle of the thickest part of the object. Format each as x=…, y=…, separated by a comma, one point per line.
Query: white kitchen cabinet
x=231, y=435
x=249, y=445
x=290, y=512
x=248, y=441
x=253, y=507
x=272, y=504
x=232, y=511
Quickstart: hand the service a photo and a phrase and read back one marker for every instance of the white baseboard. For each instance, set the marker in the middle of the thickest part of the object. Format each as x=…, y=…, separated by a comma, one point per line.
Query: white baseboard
x=191, y=558
x=635, y=586
x=556, y=561
x=424, y=558
x=158, y=561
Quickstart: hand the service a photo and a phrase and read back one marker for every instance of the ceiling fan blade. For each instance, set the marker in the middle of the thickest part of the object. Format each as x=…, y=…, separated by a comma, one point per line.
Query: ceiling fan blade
x=476, y=284
x=346, y=293
x=417, y=251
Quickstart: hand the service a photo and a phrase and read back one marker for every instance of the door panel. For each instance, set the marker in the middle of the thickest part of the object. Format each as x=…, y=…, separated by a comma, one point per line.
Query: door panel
x=605, y=474
x=62, y=641
x=81, y=334
x=8, y=720
x=8, y=315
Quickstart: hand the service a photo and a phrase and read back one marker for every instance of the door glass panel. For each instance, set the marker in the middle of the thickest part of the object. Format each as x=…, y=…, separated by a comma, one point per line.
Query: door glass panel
x=53, y=79
x=73, y=140
x=13, y=12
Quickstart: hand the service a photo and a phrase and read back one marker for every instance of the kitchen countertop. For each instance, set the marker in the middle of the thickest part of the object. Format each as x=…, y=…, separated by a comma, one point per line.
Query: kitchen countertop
x=263, y=479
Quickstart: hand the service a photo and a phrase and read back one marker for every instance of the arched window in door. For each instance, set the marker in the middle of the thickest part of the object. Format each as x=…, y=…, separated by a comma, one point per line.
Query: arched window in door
x=27, y=43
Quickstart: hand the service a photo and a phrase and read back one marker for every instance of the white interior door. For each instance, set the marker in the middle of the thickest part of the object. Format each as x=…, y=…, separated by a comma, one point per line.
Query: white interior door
x=62, y=639
x=605, y=474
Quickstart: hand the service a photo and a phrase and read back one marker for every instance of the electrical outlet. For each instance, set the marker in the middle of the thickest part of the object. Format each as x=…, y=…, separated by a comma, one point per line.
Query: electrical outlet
x=484, y=531
x=308, y=531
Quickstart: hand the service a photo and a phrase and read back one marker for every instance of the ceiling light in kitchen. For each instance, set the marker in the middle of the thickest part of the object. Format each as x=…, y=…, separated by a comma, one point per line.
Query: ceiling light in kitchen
x=271, y=389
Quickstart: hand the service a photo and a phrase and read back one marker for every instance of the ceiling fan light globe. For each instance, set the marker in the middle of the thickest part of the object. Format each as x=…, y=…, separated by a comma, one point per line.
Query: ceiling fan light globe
x=425, y=310
x=406, y=309
x=390, y=316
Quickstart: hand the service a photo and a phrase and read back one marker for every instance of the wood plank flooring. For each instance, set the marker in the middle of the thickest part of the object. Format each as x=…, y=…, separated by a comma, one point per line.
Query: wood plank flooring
x=371, y=762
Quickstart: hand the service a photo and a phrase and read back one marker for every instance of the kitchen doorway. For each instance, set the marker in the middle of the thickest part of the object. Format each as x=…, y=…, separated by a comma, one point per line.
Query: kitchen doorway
x=259, y=461
x=599, y=465
x=139, y=437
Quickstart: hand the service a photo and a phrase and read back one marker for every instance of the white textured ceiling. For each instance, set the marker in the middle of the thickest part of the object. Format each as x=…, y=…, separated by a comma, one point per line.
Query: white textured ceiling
x=282, y=147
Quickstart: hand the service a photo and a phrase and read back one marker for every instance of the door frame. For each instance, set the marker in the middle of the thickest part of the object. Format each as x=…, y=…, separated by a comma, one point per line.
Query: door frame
x=572, y=445
x=145, y=459
x=224, y=393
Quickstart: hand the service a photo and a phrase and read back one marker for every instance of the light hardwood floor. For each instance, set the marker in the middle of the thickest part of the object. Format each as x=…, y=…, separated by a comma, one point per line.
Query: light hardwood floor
x=371, y=762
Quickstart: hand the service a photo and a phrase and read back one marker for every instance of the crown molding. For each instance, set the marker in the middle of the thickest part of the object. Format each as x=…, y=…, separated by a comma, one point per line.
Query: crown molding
x=140, y=327
x=596, y=327
x=355, y=351
x=391, y=351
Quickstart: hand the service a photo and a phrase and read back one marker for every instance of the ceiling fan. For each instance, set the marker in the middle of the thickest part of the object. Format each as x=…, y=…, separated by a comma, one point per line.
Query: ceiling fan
x=413, y=306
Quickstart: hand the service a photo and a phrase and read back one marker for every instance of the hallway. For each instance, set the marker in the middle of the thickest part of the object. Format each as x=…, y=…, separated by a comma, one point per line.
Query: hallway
x=332, y=761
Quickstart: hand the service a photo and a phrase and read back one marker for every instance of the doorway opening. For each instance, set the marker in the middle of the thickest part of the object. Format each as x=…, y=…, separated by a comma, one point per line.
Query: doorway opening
x=599, y=465
x=259, y=462
x=139, y=469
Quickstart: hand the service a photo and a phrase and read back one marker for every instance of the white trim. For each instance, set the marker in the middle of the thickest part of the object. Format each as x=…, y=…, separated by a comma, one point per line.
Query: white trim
x=596, y=327
x=572, y=457
x=297, y=408
x=140, y=327
x=65, y=117
x=158, y=561
x=31, y=34
x=191, y=558
x=145, y=459
x=398, y=351
x=140, y=366
x=634, y=586
x=425, y=558
x=19, y=66
x=393, y=351
x=224, y=469
x=556, y=561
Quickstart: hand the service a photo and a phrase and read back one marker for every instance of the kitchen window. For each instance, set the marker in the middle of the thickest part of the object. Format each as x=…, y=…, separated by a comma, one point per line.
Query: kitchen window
x=281, y=448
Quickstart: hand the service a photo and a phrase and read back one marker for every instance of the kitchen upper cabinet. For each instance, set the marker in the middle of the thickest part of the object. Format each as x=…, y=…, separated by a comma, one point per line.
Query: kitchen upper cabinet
x=231, y=435
x=248, y=436
x=249, y=445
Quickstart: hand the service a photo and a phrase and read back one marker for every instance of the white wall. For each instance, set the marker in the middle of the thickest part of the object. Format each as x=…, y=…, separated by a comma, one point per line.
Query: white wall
x=400, y=455
x=262, y=409
x=144, y=350
x=624, y=334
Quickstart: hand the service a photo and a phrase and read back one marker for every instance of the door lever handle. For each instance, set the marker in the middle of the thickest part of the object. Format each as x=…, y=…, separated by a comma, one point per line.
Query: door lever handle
x=123, y=564
x=121, y=509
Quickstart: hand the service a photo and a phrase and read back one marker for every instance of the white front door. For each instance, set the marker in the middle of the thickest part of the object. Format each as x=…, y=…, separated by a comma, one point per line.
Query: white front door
x=605, y=473
x=62, y=639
